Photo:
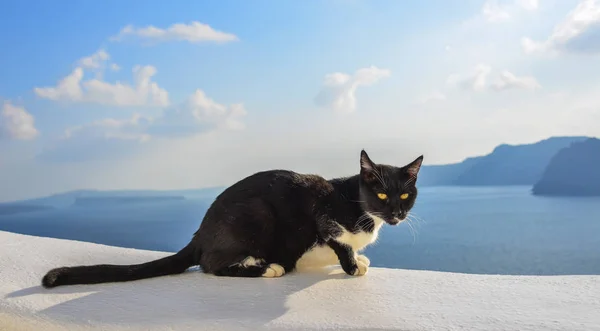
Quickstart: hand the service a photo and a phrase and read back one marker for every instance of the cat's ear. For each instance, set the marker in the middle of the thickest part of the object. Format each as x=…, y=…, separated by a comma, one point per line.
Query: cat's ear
x=365, y=162
x=413, y=168
x=367, y=167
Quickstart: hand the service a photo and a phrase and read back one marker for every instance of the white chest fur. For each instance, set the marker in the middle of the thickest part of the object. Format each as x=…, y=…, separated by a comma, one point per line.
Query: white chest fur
x=322, y=255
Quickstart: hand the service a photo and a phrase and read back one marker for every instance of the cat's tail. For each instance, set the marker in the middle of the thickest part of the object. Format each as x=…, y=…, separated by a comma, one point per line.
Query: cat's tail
x=107, y=273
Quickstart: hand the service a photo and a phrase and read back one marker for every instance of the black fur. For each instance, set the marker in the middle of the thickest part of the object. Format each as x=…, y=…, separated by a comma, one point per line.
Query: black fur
x=275, y=216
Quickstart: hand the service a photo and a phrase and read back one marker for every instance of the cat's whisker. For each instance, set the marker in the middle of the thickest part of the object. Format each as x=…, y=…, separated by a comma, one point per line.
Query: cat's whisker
x=412, y=230
x=412, y=219
x=413, y=223
x=364, y=217
x=416, y=231
x=363, y=222
x=364, y=228
x=417, y=217
x=420, y=220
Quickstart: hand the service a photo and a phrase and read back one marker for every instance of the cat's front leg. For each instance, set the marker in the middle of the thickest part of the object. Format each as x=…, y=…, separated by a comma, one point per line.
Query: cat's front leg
x=364, y=259
x=350, y=264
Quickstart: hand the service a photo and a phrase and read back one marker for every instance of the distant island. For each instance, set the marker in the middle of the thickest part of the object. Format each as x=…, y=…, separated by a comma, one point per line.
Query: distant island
x=120, y=200
x=505, y=165
x=11, y=209
x=573, y=171
x=67, y=199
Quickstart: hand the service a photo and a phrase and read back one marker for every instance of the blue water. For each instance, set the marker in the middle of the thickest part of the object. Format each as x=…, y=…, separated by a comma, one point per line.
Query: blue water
x=488, y=230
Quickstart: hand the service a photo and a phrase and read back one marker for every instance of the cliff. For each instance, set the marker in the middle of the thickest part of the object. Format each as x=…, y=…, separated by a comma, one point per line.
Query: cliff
x=573, y=171
x=505, y=165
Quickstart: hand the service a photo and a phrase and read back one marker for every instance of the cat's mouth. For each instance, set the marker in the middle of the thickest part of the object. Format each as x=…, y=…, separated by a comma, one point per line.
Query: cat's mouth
x=393, y=221
x=396, y=218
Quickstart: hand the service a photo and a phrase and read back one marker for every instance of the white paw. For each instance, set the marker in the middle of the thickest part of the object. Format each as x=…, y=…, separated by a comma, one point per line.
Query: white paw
x=363, y=259
x=361, y=269
x=274, y=270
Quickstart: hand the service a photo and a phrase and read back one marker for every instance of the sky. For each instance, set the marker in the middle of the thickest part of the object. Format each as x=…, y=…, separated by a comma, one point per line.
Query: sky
x=188, y=94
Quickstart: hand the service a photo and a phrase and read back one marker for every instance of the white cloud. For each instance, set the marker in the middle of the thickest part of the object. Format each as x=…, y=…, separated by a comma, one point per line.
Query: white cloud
x=205, y=109
x=68, y=88
x=95, y=60
x=97, y=63
x=579, y=32
x=194, y=32
x=508, y=80
x=529, y=4
x=144, y=92
x=16, y=123
x=475, y=80
x=493, y=12
x=339, y=89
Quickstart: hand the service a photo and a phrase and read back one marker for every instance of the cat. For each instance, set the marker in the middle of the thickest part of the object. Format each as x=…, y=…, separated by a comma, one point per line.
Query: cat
x=275, y=221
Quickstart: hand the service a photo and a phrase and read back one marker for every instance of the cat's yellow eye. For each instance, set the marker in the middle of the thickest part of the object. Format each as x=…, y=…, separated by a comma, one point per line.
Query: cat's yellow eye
x=382, y=196
x=404, y=196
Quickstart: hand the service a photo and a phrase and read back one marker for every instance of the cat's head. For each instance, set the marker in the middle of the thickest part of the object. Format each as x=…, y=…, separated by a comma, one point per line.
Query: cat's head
x=388, y=192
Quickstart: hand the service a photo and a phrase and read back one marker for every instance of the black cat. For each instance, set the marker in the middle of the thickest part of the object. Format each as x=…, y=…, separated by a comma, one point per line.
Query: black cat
x=277, y=221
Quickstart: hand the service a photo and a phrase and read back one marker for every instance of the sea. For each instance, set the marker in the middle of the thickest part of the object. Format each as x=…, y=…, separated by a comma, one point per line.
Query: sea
x=477, y=230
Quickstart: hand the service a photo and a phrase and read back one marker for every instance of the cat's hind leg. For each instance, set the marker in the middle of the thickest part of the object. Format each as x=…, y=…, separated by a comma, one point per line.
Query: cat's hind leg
x=252, y=267
x=268, y=271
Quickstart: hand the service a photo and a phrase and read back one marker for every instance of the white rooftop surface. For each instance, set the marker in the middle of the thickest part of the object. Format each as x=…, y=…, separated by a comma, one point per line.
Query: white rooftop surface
x=384, y=299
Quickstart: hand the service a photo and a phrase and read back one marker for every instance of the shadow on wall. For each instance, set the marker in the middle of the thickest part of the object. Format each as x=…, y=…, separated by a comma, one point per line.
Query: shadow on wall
x=216, y=301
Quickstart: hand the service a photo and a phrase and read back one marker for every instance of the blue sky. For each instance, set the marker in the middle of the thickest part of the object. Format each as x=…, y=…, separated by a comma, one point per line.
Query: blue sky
x=184, y=94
